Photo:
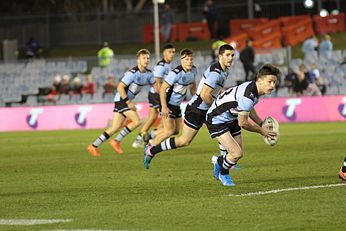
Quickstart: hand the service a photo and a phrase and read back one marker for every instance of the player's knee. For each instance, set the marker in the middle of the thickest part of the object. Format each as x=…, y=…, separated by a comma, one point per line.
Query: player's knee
x=137, y=123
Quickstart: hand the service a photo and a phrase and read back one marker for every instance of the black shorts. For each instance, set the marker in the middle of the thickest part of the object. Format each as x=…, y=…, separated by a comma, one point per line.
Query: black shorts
x=154, y=100
x=120, y=106
x=194, y=117
x=219, y=129
x=175, y=111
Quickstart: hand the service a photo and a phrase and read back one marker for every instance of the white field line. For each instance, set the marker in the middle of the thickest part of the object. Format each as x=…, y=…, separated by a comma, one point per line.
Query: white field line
x=32, y=221
x=86, y=230
x=259, y=193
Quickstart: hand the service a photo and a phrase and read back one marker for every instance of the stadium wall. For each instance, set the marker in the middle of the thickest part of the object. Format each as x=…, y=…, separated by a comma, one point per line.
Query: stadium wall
x=97, y=116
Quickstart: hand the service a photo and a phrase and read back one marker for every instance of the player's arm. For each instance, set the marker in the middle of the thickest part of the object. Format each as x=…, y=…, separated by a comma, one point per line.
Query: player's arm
x=254, y=116
x=157, y=84
x=163, y=99
x=123, y=95
x=193, y=88
x=206, y=94
x=243, y=121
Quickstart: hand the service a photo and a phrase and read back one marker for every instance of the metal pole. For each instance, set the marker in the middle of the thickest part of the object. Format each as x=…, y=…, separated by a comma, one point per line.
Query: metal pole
x=319, y=6
x=188, y=10
x=293, y=8
x=156, y=30
x=250, y=8
x=338, y=5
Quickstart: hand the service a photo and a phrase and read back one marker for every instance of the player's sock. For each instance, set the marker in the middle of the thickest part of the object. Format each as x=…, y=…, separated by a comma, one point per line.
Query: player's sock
x=122, y=134
x=223, y=150
x=139, y=137
x=225, y=164
x=102, y=138
x=151, y=135
x=344, y=166
x=165, y=145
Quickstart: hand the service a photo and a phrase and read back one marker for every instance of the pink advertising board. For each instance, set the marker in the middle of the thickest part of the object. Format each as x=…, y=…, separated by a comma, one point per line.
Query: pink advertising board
x=97, y=116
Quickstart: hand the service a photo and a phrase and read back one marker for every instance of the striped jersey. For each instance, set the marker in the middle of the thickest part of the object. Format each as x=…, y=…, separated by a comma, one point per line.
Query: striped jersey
x=229, y=103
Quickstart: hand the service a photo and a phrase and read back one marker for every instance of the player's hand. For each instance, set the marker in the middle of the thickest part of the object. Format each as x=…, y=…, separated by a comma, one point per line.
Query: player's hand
x=164, y=112
x=131, y=105
x=267, y=131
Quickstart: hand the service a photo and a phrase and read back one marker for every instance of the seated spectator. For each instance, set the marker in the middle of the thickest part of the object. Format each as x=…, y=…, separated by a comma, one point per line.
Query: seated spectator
x=89, y=86
x=302, y=86
x=289, y=80
x=318, y=80
x=65, y=85
x=109, y=87
x=76, y=88
x=54, y=91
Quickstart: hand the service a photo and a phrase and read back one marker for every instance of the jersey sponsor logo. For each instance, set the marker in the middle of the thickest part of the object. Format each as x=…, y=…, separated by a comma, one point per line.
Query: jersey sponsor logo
x=32, y=118
x=289, y=109
x=342, y=107
x=81, y=116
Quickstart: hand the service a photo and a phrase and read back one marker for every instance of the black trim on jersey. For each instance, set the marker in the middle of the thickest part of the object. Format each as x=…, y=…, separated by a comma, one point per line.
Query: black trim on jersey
x=134, y=69
x=178, y=69
x=162, y=62
x=169, y=93
x=148, y=70
x=221, y=109
x=216, y=67
x=251, y=89
x=208, y=85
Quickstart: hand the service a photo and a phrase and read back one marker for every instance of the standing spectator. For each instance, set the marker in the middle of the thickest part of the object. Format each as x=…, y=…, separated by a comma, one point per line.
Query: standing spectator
x=167, y=21
x=309, y=48
x=215, y=49
x=109, y=86
x=105, y=55
x=326, y=48
x=89, y=86
x=211, y=16
x=32, y=48
x=247, y=57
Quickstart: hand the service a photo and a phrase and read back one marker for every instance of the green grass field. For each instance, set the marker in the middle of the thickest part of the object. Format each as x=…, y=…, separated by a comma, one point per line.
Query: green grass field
x=49, y=175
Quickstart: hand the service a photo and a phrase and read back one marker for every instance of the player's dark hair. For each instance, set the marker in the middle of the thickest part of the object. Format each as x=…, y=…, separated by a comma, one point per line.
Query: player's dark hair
x=268, y=69
x=167, y=46
x=224, y=48
x=186, y=52
x=142, y=52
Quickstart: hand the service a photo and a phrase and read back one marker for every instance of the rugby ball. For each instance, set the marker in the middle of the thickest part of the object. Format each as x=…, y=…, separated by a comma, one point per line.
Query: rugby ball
x=274, y=127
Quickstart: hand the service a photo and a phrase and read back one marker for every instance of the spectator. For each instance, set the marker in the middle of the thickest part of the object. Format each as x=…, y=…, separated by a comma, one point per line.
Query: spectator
x=211, y=16
x=309, y=48
x=301, y=85
x=65, y=85
x=32, y=48
x=167, y=21
x=326, y=48
x=76, y=88
x=289, y=80
x=215, y=49
x=247, y=57
x=54, y=91
x=318, y=79
x=109, y=86
x=105, y=55
x=89, y=86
